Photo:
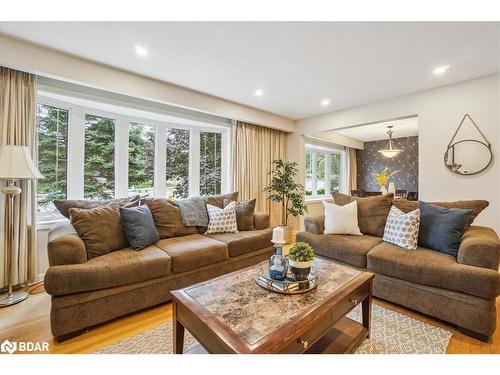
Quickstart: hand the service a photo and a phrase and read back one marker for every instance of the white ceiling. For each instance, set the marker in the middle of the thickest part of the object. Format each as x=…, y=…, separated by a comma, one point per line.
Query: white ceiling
x=374, y=132
x=296, y=64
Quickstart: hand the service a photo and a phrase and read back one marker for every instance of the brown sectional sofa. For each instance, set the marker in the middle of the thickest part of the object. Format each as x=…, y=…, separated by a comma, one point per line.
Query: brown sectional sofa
x=89, y=292
x=461, y=290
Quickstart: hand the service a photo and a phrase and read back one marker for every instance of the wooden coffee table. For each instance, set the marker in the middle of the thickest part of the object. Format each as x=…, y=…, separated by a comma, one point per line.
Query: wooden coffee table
x=232, y=314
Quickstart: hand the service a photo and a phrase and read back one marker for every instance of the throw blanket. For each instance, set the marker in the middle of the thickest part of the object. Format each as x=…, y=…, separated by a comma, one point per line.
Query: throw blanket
x=193, y=211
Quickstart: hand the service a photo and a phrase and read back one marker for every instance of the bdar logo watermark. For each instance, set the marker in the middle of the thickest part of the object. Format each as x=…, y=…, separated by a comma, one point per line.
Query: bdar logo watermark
x=11, y=347
x=8, y=347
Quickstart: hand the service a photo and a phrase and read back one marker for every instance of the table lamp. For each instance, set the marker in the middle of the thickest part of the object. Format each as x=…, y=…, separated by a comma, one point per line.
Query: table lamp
x=15, y=164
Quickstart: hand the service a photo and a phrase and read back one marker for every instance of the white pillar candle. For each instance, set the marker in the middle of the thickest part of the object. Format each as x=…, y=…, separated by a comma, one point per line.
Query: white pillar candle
x=278, y=235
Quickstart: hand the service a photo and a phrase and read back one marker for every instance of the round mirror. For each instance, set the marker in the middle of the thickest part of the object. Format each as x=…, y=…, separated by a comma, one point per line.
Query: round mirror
x=468, y=157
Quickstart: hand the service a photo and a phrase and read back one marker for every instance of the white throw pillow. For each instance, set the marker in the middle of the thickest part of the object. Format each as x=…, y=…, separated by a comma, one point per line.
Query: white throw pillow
x=402, y=229
x=222, y=220
x=341, y=219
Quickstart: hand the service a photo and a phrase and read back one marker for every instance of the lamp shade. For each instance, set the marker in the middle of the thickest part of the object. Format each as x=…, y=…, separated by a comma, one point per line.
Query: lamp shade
x=16, y=163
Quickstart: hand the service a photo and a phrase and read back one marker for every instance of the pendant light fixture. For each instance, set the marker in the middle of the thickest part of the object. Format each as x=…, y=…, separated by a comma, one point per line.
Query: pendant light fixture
x=390, y=151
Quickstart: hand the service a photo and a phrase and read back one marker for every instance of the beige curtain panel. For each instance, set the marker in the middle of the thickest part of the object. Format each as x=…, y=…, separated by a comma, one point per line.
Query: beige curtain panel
x=353, y=170
x=17, y=127
x=254, y=148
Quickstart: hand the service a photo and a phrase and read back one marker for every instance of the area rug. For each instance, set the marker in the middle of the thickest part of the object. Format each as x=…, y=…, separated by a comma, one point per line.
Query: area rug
x=392, y=333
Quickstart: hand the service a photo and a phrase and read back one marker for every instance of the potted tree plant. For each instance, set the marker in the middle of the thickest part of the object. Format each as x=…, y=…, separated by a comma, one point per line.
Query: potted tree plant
x=285, y=191
x=300, y=260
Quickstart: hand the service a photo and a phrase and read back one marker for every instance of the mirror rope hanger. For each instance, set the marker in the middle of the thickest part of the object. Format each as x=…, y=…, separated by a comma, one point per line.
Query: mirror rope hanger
x=477, y=127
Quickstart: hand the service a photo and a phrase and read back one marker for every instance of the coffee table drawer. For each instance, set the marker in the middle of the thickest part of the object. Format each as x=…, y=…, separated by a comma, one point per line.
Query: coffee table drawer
x=304, y=341
x=350, y=302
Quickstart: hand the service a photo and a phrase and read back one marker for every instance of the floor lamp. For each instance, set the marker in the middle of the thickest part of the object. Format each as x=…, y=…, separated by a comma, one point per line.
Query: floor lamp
x=15, y=164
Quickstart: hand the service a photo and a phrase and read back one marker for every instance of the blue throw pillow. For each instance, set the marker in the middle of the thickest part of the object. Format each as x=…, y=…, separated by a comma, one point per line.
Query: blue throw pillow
x=139, y=226
x=442, y=228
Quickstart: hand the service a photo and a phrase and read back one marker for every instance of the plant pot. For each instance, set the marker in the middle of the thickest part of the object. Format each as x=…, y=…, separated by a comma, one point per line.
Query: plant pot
x=287, y=233
x=300, y=270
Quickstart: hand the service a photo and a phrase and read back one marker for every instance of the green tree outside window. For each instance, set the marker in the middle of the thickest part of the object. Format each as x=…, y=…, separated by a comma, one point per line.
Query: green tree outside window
x=99, y=168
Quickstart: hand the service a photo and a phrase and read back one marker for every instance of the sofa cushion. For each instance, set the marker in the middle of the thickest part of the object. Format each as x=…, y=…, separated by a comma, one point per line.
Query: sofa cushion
x=372, y=211
x=480, y=247
x=222, y=220
x=402, y=229
x=167, y=218
x=63, y=205
x=100, y=229
x=428, y=267
x=475, y=205
x=244, y=242
x=122, y=267
x=341, y=219
x=441, y=228
x=218, y=200
x=193, y=251
x=344, y=248
x=261, y=220
x=245, y=211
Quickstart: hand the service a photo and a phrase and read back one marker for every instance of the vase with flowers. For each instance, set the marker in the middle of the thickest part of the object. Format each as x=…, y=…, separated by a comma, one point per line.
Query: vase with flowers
x=382, y=178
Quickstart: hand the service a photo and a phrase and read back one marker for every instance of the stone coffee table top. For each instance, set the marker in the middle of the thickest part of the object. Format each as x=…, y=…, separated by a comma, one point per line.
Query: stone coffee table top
x=253, y=312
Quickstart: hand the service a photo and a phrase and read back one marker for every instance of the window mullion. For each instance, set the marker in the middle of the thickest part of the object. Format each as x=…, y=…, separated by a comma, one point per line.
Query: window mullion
x=76, y=153
x=121, y=157
x=328, y=180
x=225, y=163
x=343, y=174
x=160, y=176
x=194, y=162
x=314, y=176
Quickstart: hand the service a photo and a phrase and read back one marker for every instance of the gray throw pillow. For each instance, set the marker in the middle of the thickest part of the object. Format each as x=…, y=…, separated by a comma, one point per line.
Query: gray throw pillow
x=139, y=227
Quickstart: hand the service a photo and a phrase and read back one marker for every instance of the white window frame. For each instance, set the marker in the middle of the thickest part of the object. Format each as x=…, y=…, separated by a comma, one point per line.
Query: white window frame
x=76, y=153
x=315, y=150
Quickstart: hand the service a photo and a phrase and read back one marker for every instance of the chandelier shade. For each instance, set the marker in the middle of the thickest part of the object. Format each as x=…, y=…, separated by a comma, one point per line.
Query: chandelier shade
x=390, y=151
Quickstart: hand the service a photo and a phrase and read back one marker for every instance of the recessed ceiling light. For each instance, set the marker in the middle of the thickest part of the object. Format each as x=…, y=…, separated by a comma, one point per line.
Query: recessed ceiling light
x=441, y=69
x=141, y=51
x=259, y=92
x=325, y=102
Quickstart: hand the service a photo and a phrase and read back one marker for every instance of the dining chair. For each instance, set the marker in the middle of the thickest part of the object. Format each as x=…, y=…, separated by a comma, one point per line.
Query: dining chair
x=357, y=193
x=371, y=193
x=401, y=193
x=412, y=196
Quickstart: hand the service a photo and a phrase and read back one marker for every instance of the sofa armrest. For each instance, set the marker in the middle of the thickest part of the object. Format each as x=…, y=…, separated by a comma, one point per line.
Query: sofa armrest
x=480, y=247
x=261, y=220
x=315, y=224
x=65, y=246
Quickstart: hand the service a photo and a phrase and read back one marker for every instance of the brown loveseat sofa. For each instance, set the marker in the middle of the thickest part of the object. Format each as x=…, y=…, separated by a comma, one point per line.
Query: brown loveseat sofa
x=88, y=292
x=461, y=290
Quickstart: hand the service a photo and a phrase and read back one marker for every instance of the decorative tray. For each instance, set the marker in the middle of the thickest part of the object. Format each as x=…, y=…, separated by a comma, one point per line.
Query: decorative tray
x=288, y=286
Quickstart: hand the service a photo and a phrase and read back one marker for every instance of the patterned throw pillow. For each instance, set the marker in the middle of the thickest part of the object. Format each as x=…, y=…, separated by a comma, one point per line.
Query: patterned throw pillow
x=402, y=229
x=222, y=220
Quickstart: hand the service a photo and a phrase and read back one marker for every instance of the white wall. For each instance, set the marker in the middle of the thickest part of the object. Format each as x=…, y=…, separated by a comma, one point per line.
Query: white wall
x=439, y=112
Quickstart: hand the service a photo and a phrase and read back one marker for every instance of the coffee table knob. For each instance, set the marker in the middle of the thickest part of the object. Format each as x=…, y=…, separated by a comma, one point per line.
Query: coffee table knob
x=305, y=344
x=354, y=301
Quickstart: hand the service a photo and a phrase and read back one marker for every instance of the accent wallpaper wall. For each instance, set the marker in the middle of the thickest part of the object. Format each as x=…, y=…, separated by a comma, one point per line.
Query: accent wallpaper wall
x=371, y=161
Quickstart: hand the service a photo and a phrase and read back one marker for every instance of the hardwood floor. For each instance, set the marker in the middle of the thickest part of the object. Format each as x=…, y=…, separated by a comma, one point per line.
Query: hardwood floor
x=29, y=321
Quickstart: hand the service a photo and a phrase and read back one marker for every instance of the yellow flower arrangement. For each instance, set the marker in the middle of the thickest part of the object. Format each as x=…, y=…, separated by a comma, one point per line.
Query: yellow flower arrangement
x=383, y=177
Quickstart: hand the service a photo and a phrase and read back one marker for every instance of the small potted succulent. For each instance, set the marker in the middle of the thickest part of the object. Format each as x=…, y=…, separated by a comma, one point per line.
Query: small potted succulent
x=300, y=259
